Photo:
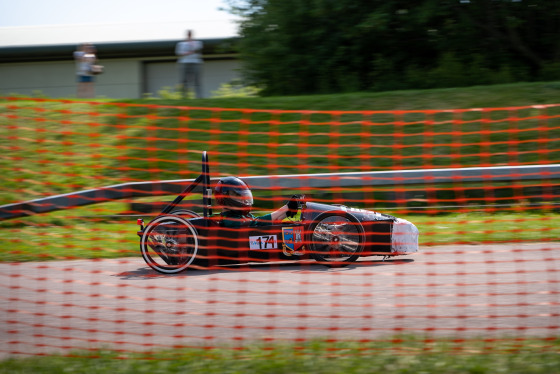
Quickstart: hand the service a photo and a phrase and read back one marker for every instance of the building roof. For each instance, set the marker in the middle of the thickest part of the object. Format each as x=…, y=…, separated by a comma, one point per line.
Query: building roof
x=164, y=48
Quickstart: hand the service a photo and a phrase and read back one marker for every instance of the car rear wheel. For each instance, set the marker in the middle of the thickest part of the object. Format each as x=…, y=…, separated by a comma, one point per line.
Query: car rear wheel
x=336, y=238
x=169, y=244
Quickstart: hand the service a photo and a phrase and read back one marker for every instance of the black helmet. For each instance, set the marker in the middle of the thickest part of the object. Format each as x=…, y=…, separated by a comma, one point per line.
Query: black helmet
x=233, y=193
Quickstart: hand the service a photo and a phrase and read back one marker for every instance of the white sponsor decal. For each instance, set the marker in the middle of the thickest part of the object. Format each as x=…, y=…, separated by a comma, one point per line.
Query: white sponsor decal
x=263, y=242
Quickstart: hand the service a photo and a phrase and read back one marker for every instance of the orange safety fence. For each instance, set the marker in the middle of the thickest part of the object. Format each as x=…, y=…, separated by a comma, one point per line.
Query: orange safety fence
x=104, y=267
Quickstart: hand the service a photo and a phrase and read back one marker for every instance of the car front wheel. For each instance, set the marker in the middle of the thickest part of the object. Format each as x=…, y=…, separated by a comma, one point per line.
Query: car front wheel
x=336, y=238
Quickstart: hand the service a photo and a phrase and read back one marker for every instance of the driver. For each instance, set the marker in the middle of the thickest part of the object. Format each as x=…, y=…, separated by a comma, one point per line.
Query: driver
x=236, y=200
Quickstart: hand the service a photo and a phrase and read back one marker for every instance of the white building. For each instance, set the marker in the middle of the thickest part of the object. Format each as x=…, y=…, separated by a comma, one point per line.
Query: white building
x=132, y=69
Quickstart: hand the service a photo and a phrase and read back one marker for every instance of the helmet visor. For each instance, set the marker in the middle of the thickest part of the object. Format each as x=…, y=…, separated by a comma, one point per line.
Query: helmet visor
x=243, y=197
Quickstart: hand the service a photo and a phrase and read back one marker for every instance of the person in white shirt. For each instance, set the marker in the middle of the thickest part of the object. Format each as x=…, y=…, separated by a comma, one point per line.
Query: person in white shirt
x=190, y=64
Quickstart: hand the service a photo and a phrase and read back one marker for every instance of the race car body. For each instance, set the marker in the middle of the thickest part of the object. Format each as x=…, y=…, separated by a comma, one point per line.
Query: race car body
x=333, y=235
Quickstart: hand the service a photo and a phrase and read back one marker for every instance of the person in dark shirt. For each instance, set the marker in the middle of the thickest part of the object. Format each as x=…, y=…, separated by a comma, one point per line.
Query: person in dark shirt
x=236, y=200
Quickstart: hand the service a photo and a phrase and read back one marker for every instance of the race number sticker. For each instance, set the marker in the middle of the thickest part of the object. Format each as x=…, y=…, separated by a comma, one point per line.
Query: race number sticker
x=263, y=242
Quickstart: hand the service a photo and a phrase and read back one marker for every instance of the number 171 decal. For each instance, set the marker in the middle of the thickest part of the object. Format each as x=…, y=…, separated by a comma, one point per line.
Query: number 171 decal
x=263, y=242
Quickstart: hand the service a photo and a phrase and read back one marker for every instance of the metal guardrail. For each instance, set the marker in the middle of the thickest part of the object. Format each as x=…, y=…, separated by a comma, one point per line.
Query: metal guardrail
x=280, y=182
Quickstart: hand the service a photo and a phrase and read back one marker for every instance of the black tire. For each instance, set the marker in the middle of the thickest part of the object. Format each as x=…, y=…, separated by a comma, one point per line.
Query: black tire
x=336, y=238
x=169, y=244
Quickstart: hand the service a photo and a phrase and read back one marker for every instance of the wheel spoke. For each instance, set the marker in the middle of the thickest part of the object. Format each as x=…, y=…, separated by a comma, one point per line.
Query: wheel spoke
x=337, y=237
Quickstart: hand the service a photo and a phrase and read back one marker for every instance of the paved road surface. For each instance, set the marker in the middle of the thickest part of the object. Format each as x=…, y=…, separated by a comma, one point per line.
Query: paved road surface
x=490, y=290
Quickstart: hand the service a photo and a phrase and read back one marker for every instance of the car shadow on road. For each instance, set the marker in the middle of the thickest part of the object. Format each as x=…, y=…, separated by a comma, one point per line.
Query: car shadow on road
x=146, y=272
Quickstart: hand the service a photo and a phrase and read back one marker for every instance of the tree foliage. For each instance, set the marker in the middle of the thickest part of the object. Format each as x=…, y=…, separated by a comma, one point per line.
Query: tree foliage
x=321, y=46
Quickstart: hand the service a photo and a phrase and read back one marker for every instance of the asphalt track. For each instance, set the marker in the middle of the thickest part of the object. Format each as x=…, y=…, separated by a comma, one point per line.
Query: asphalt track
x=460, y=291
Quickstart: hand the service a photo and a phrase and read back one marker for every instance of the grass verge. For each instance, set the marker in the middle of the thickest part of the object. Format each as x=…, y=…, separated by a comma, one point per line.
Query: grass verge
x=408, y=355
x=52, y=147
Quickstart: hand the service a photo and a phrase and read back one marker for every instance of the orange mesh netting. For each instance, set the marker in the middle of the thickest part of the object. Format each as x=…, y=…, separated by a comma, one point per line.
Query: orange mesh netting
x=481, y=185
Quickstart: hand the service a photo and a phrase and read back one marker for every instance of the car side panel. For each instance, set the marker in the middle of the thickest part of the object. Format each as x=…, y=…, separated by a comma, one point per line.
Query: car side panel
x=225, y=246
x=378, y=237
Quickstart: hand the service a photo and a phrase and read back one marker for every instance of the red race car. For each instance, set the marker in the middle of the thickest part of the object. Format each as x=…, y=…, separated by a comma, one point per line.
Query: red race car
x=333, y=235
